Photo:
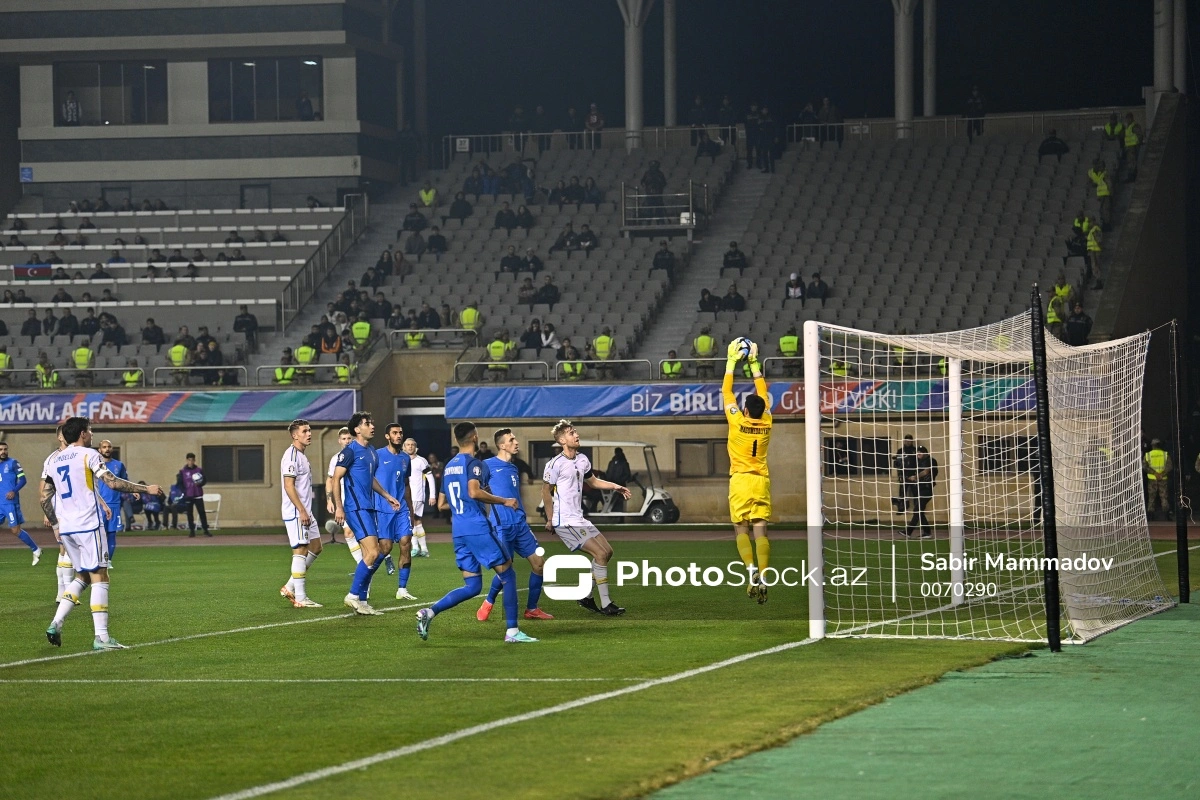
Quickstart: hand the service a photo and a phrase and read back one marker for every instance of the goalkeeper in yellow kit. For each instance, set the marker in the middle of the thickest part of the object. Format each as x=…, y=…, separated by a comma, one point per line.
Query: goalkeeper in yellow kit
x=749, y=481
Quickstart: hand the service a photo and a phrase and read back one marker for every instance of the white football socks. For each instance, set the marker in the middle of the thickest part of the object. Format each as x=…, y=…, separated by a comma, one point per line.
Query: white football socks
x=355, y=550
x=99, y=601
x=601, y=575
x=299, y=570
x=308, y=560
x=67, y=601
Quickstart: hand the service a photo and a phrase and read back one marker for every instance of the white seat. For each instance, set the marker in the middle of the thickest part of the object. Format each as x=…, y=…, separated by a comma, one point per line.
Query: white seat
x=212, y=509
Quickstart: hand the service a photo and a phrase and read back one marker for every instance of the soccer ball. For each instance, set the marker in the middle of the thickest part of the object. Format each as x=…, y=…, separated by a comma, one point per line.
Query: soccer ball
x=743, y=345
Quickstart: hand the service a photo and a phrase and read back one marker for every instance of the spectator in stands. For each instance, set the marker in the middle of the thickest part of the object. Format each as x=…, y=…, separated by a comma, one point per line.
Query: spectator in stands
x=751, y=123
x=234, y=238
x=100, y=274
x=572, y=125
x=197, y=255
x=1053, y=146
x=304, y=108
x=190, y=271
x=215, y=359
x=1078, y=327
x=278, y=237
x=672, y=367
x=49, y=324
x=794, y=288
x=35, y=259
x=54, y=258
x=1099, y=176
x=727, y=119
x=540, y=125
x=203, y=337
x=428, y=195
x=704, y=346
x=510, y=262
x=506, y=218
x=155, y=257
x=415, y=245
x=518, y=126
x=395, y=322
x=734, y=259
x=548, y=294
x=592, y=193
x=312, y=202
x=86, y=297
x=817, y=289
x=414, y=220
x=313, y=339
x=13, y=241
x=593, y=124
x=380, y=307
x=177, y=257
x=460, y=209
x=770, y=141
x=491, y=180
x=45, y=375
x=238, y=255
x=975, y=113
x=21, y=298
x=72, y=112
x=436, y=243
x=524, y=218
x=664, y=259
x=531, y=339
x=108, y=297
x=89, y=324
x=697, y=118
x=705, y=146
x=527, y=294
x=384, y=264
x=531, y=263
x=568, y=240
x=370, y=280
x=733, y=300
x=653, y=179
x=185, y=337
x=117, y=258
x=60, y=274
x=587, y=240
x=574, y=367
x=58, y=240
x=60, y=296
x=474, y=184
x=68, y=325
x=411, y=322
x=428, y=318
x=709, y=301
x=549, y=338
x=153, y=334
x=113, y=335
x=558, y=195
x=259, y=236
x=574, y=192
x=829, y=117
x=8, y=297
x=81, y=241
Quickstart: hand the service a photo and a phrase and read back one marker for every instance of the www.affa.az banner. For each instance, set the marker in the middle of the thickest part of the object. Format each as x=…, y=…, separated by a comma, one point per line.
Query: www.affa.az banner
x=167, y=408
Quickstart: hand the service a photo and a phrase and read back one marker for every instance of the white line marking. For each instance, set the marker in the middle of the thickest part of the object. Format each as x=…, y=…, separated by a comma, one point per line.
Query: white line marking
x=438, y=741
x=307, y=681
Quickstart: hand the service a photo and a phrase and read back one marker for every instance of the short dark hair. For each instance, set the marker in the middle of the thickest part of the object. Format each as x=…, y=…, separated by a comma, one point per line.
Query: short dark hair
x=190, y=455
x=74, y=427
x=755, y=406
x=463, y=431
x=500, y=434
x=357, y=419
x=391, y=425
x=297, y=424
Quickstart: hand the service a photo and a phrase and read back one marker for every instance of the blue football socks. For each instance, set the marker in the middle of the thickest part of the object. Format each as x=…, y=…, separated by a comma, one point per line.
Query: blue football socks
x=471, y=587
x=28, y=540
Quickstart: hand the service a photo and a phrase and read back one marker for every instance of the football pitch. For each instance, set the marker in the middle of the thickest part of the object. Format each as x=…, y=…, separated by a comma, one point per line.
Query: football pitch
x=227, y=690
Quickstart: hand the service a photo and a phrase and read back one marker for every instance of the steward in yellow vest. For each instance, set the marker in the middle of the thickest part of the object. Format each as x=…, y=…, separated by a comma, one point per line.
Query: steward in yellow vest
x=305, y=356
x=672, y=368
x=284, y=375
x=5, y=363
x=414, y=340
x=361, y=331
x=704, y=346
x=132, y=377
x=469, y=317
x=84, y=360
x=343, y=372
x=498, y=351
x=789, y=347
x=47, y=376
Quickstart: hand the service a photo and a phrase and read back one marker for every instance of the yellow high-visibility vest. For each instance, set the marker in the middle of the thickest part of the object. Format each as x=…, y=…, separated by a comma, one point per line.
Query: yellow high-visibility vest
x=497, y=351
x=469, y=318
x=789, y=345
x=343, y=373
x=5, y=361
x=47, y=376
x=178, y=355
x=1063, y=291
x=305, y=354
x=132, y=378
x=573, y=370
x=839, y=368
x=1093, y=240
x=1156, y=460
x=428, y=195
x=704, y=345
x=284, y=375
x=414, y=339
x=1131, y=137
x=1112, y=130
x=1052, y=315
x=602, y=345
x=672, y=369
x=82, y=357
x=361, y=331
x=1101, y=181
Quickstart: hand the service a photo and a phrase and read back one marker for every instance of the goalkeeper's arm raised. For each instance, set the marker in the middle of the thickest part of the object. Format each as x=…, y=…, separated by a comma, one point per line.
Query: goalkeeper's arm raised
x=732, y=357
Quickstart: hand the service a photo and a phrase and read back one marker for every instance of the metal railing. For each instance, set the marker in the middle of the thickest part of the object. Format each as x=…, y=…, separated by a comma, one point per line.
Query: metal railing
x=530, y=144
x=327, y=256
x=673, y=211
x=601, y=366
x=773, y=366
x=185, y=379
x=305, y=373
x=68, y=377
x=706, y=364
x=434, y=337
x=505, y=373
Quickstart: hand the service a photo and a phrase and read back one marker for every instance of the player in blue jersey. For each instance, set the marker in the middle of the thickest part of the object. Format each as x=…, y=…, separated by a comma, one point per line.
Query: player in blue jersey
x=12, y=480
x=514, y=527
x=354, y=504
x=393, y=472
x=111, y=497
x=477, y=544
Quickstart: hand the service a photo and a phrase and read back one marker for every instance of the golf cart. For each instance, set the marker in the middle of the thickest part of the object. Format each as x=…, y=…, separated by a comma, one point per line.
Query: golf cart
x=650, y=501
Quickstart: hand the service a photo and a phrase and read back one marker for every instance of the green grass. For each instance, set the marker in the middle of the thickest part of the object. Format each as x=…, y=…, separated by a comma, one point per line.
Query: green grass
x=133, y=738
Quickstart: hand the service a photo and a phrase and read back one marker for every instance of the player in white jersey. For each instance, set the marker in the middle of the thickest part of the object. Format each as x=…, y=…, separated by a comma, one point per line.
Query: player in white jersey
x=71, y=501
x=298, y=520
x=65, y=571
x=562, y=494
x=424, y=488
x=331, y=525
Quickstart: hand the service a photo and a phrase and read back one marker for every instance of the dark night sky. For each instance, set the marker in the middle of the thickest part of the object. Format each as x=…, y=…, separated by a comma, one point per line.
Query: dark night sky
x=487, y=55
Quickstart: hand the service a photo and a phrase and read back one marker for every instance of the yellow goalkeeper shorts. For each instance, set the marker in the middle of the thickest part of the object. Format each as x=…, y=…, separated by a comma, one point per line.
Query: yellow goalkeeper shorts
x=749, y=497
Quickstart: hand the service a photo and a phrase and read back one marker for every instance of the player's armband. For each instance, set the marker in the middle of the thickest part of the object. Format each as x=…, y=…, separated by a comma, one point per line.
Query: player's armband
x=589, y=474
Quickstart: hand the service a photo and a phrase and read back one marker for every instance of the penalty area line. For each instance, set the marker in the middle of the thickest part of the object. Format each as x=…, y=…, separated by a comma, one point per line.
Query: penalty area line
x=449, y=738
x=310, y=681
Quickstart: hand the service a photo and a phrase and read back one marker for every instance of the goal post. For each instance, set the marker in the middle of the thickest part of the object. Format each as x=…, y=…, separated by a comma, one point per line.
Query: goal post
x=924, y=486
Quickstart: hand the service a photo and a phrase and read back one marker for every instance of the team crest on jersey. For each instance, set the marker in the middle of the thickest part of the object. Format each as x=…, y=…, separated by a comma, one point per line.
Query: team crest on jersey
x=476, y=471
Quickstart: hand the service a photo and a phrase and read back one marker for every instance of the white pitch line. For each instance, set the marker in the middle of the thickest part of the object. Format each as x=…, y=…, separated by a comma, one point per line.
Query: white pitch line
x=309, y=681
x=449, y=738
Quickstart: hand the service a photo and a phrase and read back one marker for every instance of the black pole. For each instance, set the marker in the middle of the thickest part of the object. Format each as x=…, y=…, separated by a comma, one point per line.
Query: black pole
x=1045, y=476
x=1181, y=517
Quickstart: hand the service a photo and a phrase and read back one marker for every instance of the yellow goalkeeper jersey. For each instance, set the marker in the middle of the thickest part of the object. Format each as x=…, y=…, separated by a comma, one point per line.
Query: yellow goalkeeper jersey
x=748, y=438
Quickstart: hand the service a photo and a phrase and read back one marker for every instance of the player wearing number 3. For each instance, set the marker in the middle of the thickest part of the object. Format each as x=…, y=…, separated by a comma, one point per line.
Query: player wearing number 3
x=749, y=481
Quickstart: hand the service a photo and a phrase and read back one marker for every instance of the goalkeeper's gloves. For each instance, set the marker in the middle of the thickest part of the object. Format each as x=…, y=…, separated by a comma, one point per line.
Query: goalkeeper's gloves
x=755, y=368
x=733, y=354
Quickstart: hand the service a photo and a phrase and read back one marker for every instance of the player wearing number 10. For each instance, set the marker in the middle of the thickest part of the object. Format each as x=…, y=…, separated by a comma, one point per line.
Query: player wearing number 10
x=749, y=480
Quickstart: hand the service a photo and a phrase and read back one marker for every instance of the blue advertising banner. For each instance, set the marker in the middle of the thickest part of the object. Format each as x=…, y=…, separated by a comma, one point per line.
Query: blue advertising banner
x=704, y=399
x=154, y=408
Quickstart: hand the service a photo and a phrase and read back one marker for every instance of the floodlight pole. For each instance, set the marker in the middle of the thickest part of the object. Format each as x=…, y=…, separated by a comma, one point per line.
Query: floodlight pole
x=903, y=65
x=634, y=13
x=1045, y=476
x=929, y=56
x=670, y=94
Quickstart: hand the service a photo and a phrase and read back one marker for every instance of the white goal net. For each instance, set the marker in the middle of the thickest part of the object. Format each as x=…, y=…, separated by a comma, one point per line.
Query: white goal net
x=924, y=503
